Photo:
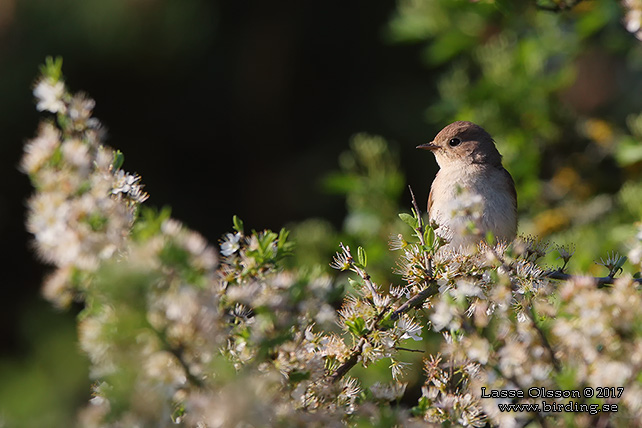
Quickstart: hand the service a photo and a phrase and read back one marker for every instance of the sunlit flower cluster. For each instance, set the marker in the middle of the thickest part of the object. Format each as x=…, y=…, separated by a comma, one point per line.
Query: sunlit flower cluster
x=597, y=331
x=75, y=218
x=178, y=333
x=442, y=400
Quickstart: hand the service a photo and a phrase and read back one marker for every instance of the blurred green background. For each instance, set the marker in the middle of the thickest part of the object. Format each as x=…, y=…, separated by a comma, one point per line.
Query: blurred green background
x=248, y=107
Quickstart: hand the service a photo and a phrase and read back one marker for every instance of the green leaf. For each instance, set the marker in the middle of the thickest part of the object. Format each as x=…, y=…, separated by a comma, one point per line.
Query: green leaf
x=341, y=183
x=56, y=158
x=52, y=68
x=296, y=376
x=266, y=242
x=119, y=158
x=238, y=224
x=490, y=238
x=619, y=264
x=283, y=246
x=429, y=236
x=421, y=407
x=355, y=284
x=149, y=222
x=386, y=321
x=356, y=326
x=179, y=412
x=408, y=219
x=97, y=221
x=63, y=121
x=362, y=257
x=566, y=378
x=628, y=151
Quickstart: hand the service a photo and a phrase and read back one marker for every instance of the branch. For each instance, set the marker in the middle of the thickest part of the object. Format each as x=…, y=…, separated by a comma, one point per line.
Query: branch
x=600, y=280
x=413, y=302
x=398, y=348
x=350, y=362
x=544, y=339
x=178, y=354
x=416, y=300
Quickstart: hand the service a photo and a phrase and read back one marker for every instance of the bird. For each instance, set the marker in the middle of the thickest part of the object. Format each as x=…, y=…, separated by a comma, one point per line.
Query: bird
x=471, y=185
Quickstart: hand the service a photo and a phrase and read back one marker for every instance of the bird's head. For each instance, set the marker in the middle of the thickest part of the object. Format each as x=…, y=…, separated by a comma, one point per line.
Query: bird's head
x=463, y=143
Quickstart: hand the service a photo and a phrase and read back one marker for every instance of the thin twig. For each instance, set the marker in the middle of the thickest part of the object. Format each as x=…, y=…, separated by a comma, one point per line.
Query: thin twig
x=420, y=222
x=358, y=348
x=544, y=339
x=178, y=353
x=420, y=231
x=413, y=302
x=416, y=300
x=350, y=362
x=398, y=348
x=531, y=316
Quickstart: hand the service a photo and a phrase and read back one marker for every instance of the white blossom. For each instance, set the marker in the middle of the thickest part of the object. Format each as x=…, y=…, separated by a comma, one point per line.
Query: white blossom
x=49, y=95
x=230, y=244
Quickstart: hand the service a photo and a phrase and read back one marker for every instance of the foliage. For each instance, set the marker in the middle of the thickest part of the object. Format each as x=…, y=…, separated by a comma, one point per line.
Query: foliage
x=372, y=182
x=180, y=334
x=552, y=82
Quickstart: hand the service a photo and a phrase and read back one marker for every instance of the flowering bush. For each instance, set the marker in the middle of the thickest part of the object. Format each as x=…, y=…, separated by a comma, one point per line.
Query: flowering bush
x=179, y=333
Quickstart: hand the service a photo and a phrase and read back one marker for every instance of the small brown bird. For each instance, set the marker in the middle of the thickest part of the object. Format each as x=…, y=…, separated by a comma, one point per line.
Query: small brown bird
x=471, y=185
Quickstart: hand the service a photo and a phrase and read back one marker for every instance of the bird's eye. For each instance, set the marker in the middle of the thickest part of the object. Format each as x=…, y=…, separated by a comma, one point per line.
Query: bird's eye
x=454, y=142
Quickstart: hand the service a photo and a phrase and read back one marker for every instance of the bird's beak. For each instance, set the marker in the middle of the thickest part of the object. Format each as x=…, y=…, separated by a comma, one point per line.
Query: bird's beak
x=428, y=146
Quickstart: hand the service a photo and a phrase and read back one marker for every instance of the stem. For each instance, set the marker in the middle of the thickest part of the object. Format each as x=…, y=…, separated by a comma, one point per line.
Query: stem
x=420, y=231
x=544, y=339
x=177, y=352
x=350, y=362
x=356, y=351
x=398, y=348
x=414, y=301
x=362, y=273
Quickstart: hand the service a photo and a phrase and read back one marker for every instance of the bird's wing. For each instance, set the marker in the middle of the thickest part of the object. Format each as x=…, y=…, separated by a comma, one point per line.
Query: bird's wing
x=511, y=186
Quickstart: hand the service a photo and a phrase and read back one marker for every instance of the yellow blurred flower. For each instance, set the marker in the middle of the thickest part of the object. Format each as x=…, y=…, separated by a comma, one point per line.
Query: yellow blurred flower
x=599, y=131
x=551, y=221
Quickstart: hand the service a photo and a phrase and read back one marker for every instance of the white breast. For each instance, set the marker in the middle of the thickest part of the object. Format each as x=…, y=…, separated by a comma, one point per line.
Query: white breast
x=476, y=194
